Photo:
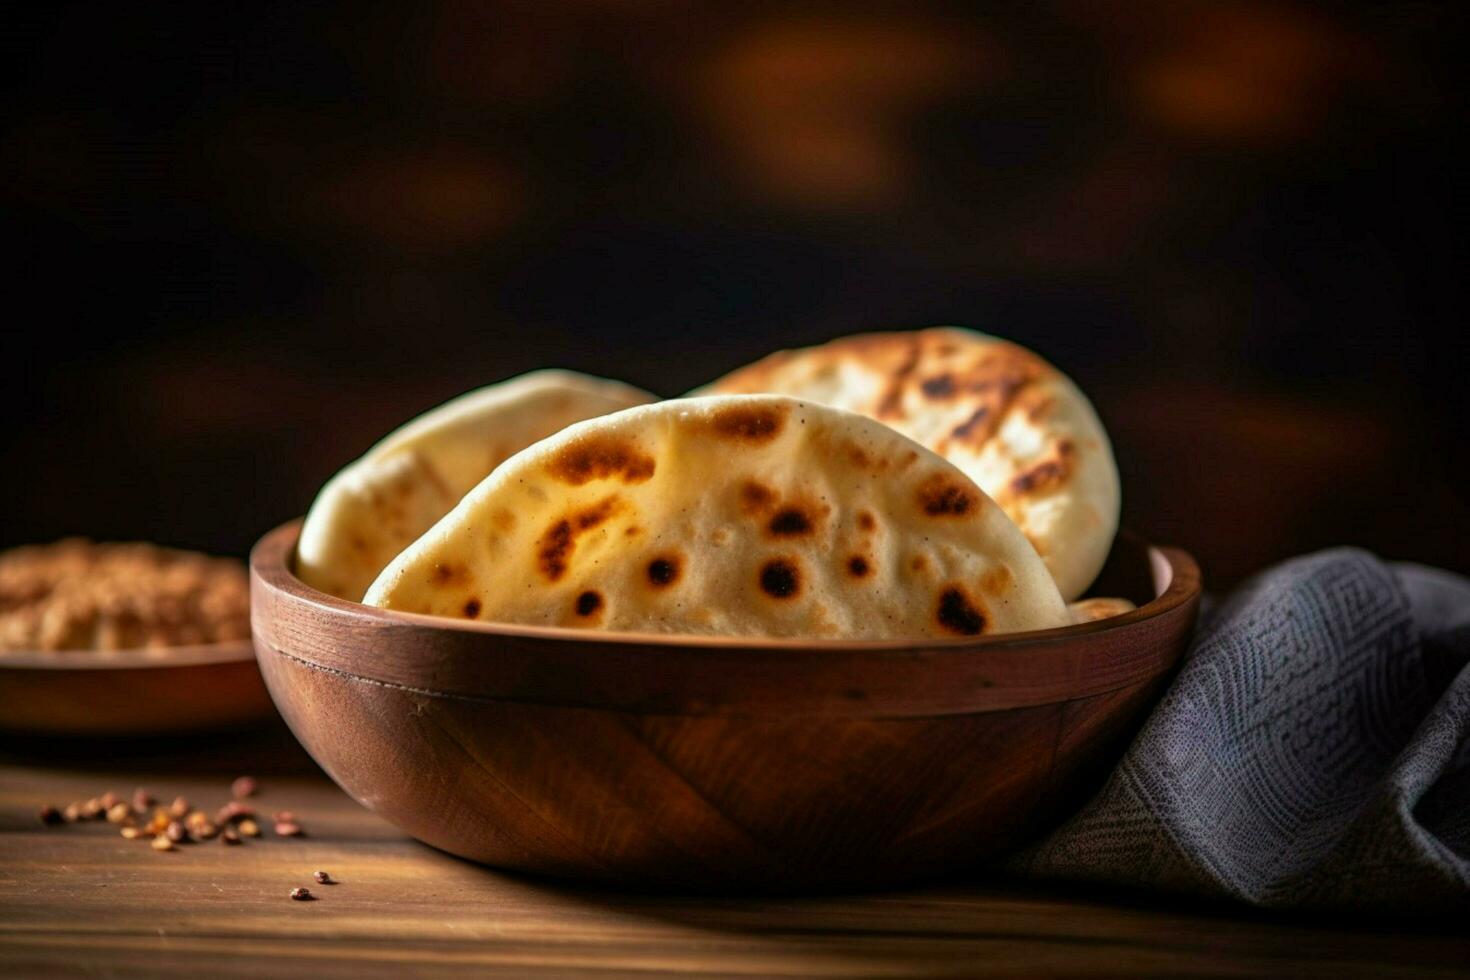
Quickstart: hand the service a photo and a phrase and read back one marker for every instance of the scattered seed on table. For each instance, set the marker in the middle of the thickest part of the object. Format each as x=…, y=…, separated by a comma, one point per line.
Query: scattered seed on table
x=284, y=816
x=249, y=828
x=50, y=816
x=162, y=844
x=287, y=828
x=233, y=810
x=175, y=832
x=72, y=813
x=205, y=831
x=119, y=812
x=302, y=894
x=243, y=787
x=109, y=800
x=92, y=809
x=179, y=807
x=131, y=833
x=322, y=878
x=229, y=836
x=142, y=799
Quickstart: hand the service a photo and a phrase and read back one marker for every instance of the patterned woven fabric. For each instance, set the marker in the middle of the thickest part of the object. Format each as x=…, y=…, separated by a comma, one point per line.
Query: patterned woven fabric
x=1313, y=751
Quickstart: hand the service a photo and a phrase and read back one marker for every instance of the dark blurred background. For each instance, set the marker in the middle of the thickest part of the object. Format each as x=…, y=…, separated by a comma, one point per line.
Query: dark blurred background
x=246, y=242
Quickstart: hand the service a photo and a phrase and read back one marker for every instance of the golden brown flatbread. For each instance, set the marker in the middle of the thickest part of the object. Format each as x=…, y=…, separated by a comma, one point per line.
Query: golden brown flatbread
x=738, y=515
x=1013, y=423
x=379, y=505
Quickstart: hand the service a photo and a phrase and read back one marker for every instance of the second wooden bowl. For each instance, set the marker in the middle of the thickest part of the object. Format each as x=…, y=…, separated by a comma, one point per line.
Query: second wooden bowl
x=131, y=692
x=716, y=763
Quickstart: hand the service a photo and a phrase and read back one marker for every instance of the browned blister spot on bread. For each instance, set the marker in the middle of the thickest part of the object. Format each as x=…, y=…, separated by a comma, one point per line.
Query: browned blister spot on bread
x=1046, y=476
x=447, y=574
x=1036, y=403
x=866, y=458
x=789, y=522
x=749, y=423
x=780, y=578
x=943, y=495
x=471, y=608
x=600, y=457
x=859, y=567
x=756, y=498
x=975, y=429
x=866, y=521
x=996, y=381
x=958, y=613
x=891, y=404
x=555, y=548
x=503, y=519
x=997, y=580
x=939, y=387
x=588, y=603
x=664, y=570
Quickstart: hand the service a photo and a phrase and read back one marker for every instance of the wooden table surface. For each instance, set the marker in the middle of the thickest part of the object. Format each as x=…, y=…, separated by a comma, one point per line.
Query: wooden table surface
x=81, y=900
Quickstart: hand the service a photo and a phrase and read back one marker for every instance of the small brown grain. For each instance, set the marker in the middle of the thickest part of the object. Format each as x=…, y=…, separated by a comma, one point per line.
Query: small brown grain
x=232, y=812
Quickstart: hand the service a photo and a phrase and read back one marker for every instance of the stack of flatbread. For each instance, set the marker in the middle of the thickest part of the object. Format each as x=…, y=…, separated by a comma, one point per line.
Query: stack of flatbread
x=927, y=484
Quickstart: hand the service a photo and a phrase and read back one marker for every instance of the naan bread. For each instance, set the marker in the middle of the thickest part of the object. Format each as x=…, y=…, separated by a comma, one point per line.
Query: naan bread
x=748, y=515
x=1013, y=423
x=380, y=504
x=1091, y=610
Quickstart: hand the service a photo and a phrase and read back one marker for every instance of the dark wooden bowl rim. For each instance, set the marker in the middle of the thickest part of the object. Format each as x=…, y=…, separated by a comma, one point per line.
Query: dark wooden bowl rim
x=686, y=674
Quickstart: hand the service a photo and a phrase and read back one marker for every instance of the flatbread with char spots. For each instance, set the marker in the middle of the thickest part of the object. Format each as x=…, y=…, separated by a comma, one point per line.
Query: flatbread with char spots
x=740, y=515
x=380, y=504
x=1013, y=423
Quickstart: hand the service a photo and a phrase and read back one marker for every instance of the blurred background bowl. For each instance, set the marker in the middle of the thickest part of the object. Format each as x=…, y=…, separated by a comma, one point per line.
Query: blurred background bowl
x=131, y=692
x=711, y=762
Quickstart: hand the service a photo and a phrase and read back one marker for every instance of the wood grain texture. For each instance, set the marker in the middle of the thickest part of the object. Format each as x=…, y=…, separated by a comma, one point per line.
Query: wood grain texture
x=80, y=900
x=714, y=763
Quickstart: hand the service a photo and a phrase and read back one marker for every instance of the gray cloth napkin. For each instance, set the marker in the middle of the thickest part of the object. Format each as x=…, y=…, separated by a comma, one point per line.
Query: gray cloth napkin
x=1312, y=752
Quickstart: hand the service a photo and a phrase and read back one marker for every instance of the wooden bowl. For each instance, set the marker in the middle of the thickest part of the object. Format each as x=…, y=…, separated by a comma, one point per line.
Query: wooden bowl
x=712, y=762
x=131, y=692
